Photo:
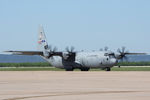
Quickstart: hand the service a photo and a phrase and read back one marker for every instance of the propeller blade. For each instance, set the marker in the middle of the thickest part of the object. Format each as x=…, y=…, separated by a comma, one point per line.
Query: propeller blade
x=123, y=49
x=106, y=48
x=72, y=48
x=54, y=49
x=101, y=49
x=119, y=51
x=67, y=49
x=50, y=48
x=125, y=58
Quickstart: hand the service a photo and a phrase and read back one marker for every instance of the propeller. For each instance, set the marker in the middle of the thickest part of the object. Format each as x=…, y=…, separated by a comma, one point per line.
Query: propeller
x=101, y=49
x=69, y=54
x=105, y=49
x=70, y=50
x=122, y=53
x=52, y=49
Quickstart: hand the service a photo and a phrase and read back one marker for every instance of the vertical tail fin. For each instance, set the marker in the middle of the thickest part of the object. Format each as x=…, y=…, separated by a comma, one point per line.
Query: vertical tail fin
x=42, y=42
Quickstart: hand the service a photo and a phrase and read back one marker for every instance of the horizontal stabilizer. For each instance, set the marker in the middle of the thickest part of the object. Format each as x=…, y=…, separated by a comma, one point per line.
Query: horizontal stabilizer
x=26, y=52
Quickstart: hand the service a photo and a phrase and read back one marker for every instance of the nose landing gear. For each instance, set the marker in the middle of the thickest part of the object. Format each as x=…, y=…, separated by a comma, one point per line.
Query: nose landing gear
x=108, y=69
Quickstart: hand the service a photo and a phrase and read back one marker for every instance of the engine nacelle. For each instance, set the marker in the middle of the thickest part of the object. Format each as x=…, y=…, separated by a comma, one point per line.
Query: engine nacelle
x=65, y=55
x=46, y=54
x=117, y=56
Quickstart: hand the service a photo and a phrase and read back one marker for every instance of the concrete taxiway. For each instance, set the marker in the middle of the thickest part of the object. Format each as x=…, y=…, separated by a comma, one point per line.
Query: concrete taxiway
x=61, y=85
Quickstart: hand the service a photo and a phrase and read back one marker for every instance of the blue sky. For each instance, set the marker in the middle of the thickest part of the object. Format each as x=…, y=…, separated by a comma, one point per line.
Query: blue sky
x=84, y=24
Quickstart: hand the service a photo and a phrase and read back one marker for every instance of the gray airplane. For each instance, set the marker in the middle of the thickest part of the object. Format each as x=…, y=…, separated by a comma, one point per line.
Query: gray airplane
x=70, y=60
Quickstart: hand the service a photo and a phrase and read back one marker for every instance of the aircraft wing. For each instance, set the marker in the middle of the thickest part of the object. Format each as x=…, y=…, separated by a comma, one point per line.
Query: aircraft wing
x=26, y=52
x=34, y=53
x=135, y=53
x=129, y=53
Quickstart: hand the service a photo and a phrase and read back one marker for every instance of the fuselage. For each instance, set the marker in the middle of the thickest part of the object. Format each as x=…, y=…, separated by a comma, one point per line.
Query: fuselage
x=85, y=59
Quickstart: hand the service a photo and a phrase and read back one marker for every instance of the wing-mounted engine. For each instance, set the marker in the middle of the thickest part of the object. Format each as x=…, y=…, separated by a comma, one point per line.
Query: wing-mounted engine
x=46, y=54
x=69, y=55
x=50, y=52
x=121, y=54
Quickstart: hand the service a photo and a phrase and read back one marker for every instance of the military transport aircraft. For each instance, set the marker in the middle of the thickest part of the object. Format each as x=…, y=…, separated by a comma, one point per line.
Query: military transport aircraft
x=71, y=60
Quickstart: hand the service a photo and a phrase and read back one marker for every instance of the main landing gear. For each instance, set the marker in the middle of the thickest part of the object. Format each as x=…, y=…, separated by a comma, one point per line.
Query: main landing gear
x=69, y=69
x=84, y=69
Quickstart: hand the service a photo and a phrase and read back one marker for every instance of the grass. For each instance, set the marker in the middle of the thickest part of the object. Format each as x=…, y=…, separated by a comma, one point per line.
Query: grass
x=44, y=66
x=58, y=69
x=125, y=69
x=134, y=63
x=131, y=69
x=30, y=69
x=40, y=64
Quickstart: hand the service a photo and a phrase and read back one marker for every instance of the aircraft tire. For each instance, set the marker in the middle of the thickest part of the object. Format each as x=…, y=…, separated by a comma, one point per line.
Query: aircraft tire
x=84, y=69
x=69, y=69
x=108, y=69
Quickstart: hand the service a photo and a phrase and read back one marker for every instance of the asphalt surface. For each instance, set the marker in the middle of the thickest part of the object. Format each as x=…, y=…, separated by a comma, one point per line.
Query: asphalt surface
x=61, y=85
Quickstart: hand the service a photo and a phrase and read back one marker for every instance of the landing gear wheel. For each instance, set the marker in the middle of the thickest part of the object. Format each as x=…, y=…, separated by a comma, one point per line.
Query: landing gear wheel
x=69, y=69
x=84, y=69
x=108, y=69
